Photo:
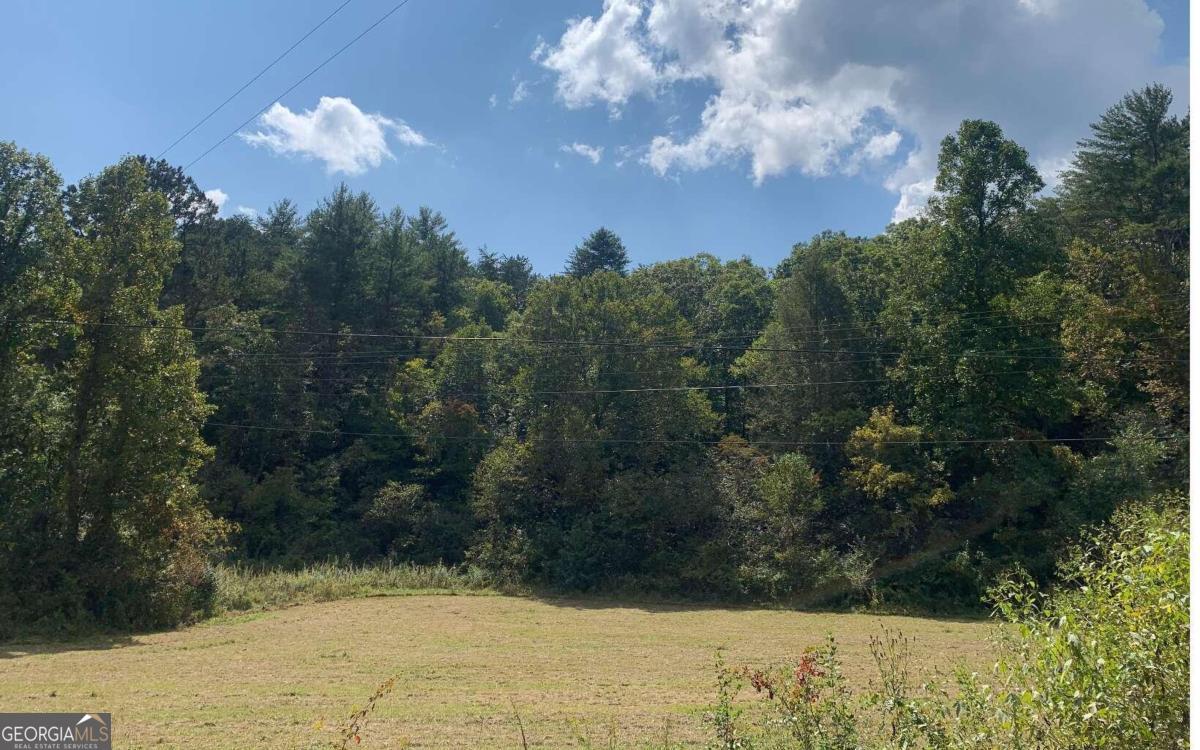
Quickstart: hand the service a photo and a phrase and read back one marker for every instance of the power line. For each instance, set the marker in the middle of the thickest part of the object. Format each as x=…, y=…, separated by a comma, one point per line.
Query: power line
x=652, y=389
x=685, y=388
x=663, y=342
x=245, y=85
x=963, y=317
x=860, y=357
x=381, y=354
x=582, y=344
x=346, y=359
x=500, y=393
x=295, y=85
x=676, y=441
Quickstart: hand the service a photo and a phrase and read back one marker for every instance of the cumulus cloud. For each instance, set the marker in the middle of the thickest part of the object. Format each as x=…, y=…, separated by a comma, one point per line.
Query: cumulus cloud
x=830, y=86
x=601, y=59
x=591, y=153
x=217, y=196
x=336, y=132
x=248, y=212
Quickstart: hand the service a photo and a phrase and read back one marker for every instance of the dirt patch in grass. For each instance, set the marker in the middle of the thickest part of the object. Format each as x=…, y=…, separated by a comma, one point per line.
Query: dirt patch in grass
x=577, y=671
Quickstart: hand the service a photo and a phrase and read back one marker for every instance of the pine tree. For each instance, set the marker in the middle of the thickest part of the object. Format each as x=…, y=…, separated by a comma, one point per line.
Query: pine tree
x=601, y=251
x=1134, y=168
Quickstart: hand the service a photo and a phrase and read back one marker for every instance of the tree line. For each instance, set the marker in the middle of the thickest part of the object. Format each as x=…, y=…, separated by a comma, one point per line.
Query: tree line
x=893, y=418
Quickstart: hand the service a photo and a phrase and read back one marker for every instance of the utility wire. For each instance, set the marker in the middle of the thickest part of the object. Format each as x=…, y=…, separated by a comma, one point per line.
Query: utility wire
x=567, y=342
x=260, y=73
x=965, y=317
x=385, y=356
x=456, y=339
x=295, y=85
x=864, y=356
x=502, y=393
x=675, y=441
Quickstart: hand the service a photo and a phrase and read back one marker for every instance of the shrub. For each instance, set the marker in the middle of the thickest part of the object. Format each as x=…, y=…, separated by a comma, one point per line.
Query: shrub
x=1101, y=662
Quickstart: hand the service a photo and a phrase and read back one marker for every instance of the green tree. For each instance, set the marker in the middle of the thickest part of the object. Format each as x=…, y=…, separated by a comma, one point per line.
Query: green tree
x=444, y=262
x=36, y=258
x=1125, y=202
x=814, y=339
x=602, y=250
x=612, y=476
x=131, y=537
x=393, y=277
x=514, y=270
x=984, y=185
x=1132, y=170
x=340, y=233
x=727, y=304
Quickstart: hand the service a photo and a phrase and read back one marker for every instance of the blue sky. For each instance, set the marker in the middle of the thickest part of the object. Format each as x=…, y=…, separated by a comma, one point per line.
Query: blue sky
x=758, y=135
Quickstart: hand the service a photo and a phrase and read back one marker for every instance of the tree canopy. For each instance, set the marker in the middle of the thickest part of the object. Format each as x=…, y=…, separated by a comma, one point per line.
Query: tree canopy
x=891, y=418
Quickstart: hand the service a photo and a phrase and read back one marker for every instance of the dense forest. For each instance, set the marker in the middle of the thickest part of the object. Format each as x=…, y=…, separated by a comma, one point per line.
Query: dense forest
x=892, y=419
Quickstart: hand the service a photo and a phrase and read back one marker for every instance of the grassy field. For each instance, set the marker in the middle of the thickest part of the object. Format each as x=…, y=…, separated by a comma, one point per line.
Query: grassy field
x=578, y=671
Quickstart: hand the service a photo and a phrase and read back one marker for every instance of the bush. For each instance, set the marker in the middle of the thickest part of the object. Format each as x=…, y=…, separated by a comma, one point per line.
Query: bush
x=1101, y=662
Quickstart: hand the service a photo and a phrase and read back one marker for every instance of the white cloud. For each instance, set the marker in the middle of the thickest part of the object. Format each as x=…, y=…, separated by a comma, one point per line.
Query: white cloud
x=591, y=153
x=1051, y=169
x=248, y=212
x=217, y=196
x=874, y=151
x=492, y=101
x=337, y=133
x=520, y=93
x=601, y=60
x=829, y=86
x=881, y=146
x=913, y=196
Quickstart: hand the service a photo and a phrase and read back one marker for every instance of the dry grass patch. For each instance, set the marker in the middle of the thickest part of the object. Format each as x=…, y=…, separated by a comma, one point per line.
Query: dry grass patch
x=575, y=669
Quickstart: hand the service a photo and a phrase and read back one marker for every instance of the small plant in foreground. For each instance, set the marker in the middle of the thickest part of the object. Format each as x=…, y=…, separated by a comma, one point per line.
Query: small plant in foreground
x=352, y=730
x=724, y=716
x=811, y=700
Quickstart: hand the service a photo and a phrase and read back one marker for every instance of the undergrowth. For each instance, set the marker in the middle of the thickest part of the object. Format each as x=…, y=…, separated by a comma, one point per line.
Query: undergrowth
x=241, y=588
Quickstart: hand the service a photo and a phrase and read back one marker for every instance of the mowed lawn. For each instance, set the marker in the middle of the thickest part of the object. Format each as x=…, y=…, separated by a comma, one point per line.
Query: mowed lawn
x=577, y=671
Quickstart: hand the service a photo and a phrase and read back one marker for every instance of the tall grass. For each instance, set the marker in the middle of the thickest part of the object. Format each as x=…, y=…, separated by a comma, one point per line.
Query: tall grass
x=241, y=588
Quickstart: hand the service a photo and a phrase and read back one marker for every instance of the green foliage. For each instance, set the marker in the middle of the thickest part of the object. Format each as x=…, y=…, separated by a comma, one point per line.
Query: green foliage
x=889, y=420
x=1134, y=167
x=1100, y=662
x=601, y=251
x=241, y=588
x=115, y=531
x=583, y=500
x=36, y=253
x=1104, y=661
